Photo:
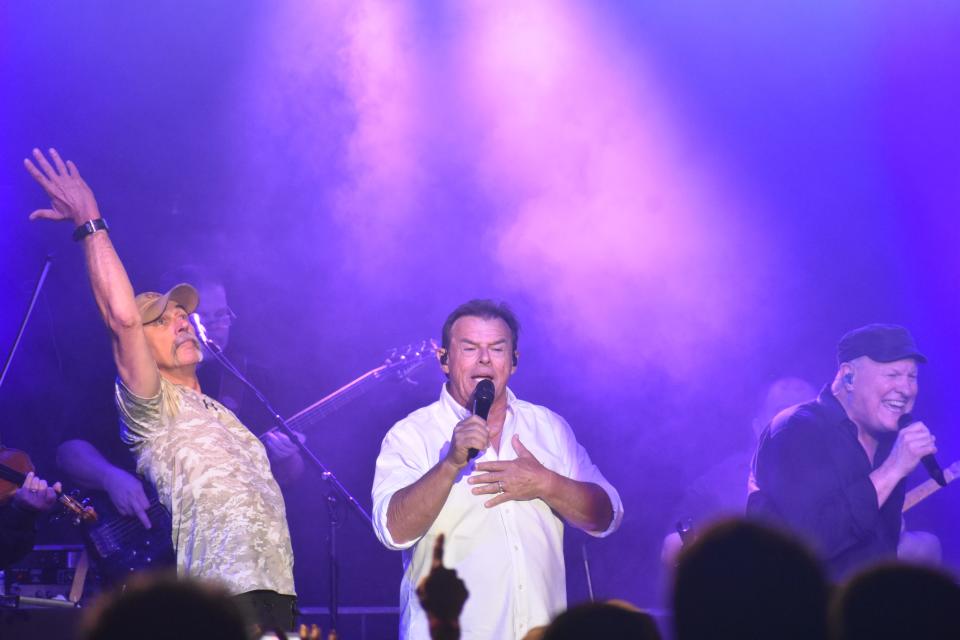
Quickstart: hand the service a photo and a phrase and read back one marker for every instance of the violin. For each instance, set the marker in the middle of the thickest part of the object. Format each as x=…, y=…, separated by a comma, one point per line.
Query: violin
x=14, y=467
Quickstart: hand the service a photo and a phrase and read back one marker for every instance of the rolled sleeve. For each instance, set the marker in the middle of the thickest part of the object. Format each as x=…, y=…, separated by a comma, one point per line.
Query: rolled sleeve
x=582, y=469
x=397, y=468
x=617, y=505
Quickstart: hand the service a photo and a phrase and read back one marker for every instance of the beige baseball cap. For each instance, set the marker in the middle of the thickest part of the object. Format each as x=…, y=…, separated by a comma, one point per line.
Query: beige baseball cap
x=152, y=304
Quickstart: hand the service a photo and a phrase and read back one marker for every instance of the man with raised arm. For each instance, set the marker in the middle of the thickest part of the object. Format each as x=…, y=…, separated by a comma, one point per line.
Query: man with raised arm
x=93, y=457
x=229, y=519
x=501, y=512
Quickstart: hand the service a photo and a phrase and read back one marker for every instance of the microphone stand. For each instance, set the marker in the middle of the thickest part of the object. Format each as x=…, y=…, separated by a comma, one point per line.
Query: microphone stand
x=333, y=483
x=26, y=318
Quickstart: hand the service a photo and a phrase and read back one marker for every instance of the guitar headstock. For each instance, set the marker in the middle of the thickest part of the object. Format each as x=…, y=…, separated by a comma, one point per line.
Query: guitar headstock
x=403, y=361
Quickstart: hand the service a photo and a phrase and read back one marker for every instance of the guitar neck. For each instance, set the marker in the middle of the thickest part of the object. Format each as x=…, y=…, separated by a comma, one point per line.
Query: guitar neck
x=333, y=401
x=926, y=489
x=400, y=364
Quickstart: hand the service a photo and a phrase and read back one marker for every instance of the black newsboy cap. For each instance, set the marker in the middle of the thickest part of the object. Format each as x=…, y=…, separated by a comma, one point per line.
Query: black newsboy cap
x=879, y=342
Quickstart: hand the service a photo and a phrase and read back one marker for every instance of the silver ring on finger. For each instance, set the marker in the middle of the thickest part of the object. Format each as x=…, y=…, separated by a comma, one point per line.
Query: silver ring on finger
x=500, y=486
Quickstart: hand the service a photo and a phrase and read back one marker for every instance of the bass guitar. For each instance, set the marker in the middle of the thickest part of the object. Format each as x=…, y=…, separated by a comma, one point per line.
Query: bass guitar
x=120, y=546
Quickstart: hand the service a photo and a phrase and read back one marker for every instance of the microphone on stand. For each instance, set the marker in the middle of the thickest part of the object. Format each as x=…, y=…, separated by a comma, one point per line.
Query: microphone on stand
x=929, y=462
x=201, y=332
x=482, y=399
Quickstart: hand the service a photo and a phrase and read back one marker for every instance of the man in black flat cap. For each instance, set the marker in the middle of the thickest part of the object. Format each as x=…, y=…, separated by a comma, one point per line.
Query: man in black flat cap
x=833, y=469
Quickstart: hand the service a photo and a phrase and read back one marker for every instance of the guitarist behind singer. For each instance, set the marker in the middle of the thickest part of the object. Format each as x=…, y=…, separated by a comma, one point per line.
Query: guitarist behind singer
x=92, y=455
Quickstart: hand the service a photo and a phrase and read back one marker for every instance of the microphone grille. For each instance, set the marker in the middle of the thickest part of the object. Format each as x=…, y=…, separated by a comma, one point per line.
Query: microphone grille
x=485, y=389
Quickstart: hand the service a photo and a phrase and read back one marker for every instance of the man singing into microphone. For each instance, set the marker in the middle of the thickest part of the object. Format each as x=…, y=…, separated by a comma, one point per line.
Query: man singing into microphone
x=833, y=469
x=229, y=519
x=501, y=511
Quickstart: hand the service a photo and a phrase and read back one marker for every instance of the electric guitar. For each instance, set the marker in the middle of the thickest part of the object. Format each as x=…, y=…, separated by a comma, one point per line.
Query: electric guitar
x=120, y=545
x=399, y=365
x=923, y=491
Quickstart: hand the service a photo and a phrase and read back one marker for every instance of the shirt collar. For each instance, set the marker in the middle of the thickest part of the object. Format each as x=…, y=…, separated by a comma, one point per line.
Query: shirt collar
x=833, y=410
x=462, y=413
x=837, y=415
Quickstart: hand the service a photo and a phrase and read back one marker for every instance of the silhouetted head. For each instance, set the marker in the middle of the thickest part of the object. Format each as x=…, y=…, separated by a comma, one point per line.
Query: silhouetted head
x=162, y=607
x=602, y=620
x=897, y=601
x=743, y=580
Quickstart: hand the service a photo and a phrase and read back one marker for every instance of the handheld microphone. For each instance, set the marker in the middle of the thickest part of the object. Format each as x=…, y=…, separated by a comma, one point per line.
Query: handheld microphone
x=929, y=462
x=201, y=332
x=482, y=399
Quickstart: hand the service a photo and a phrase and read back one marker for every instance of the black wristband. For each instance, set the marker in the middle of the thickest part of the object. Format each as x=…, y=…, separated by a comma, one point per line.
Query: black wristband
x=88, y=227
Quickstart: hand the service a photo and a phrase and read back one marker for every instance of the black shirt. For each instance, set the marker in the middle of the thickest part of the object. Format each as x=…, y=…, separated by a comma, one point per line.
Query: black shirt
x=813, y=476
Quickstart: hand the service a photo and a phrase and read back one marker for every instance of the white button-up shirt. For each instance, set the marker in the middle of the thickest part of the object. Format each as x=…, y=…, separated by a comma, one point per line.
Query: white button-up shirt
x=510, y=556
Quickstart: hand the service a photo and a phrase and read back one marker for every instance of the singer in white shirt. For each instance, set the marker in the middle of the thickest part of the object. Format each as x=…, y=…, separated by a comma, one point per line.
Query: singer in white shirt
x=501, y=511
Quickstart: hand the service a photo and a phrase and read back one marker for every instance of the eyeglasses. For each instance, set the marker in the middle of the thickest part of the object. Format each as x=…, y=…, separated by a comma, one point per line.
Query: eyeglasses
x=223, y=314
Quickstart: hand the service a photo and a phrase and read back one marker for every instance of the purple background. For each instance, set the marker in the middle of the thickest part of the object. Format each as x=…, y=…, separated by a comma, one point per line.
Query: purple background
x=682, y=201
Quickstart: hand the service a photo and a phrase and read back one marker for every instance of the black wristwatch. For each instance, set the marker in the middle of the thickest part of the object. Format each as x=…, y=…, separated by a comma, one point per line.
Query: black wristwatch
x=88, y=227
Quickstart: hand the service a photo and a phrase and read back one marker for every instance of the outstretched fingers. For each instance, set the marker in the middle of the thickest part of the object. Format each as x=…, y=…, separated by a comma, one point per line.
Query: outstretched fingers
x=58, y=163
x=36, y=174
x=44, y=164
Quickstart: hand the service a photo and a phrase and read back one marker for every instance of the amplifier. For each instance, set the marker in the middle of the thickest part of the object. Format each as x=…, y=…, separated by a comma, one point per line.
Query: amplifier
x=46, y=572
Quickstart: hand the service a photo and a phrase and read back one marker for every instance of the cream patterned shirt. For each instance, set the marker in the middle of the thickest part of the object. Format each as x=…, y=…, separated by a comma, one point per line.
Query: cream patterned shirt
x=229, y=519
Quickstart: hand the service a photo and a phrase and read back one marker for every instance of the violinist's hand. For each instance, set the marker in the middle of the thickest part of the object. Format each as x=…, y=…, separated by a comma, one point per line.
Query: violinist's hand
x=36, y=495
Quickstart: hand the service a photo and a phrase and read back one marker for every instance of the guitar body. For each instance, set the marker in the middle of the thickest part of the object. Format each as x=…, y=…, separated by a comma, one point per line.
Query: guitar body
x=120, y=546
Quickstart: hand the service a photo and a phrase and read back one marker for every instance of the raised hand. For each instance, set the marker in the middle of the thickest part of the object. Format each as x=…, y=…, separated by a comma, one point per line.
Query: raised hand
x=521, y=479
x=442, y=595
x=70, y=197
